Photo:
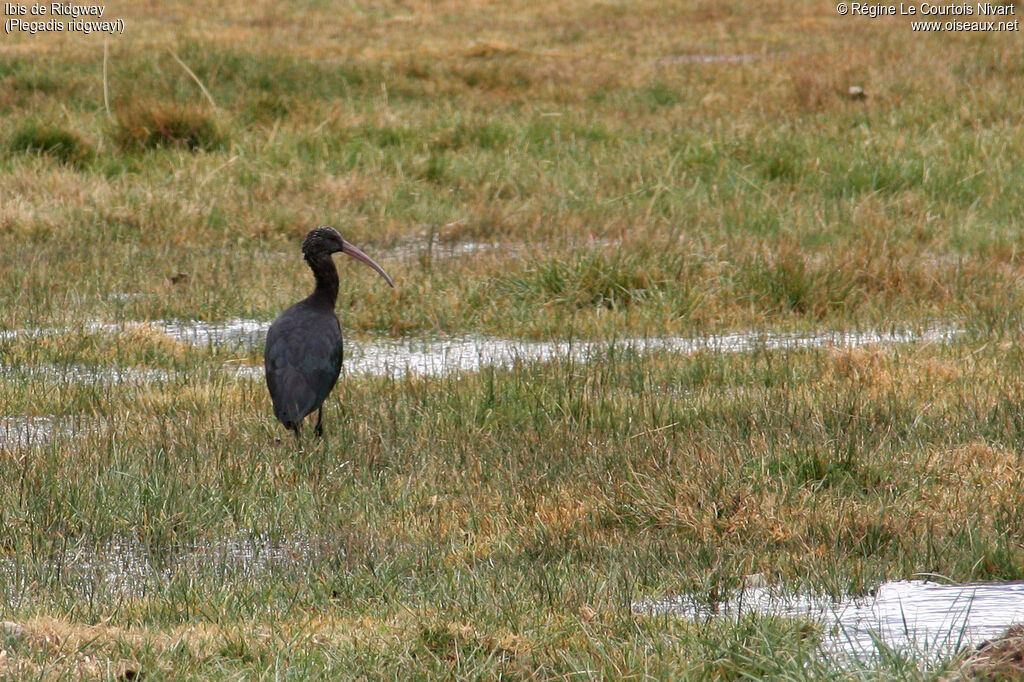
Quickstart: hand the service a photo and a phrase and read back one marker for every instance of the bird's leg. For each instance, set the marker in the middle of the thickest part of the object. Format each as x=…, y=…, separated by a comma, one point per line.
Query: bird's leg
x=298, y=436
x=319, y=429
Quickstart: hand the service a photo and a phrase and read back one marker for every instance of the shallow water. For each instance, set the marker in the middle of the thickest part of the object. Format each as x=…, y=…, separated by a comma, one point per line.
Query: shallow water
x=23, y=432
x=927, y=620
x=423, y=247
x=130, y=568
x=73, y=374
x=469, y=354
x=442, y=356
x=240, y=332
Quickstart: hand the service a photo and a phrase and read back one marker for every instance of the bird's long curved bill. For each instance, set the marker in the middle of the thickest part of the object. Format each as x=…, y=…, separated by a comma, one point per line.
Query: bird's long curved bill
x=360, y=256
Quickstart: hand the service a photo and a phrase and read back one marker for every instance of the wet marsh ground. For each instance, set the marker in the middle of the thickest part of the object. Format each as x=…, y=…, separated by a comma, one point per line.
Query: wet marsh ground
x=593, y=171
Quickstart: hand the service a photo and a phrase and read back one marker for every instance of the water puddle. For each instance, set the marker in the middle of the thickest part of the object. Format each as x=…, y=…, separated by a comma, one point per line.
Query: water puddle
x=422, y=247
x=240, y=332
x=443, y=356
x=926, y=620
x=91, y=327
x=130, y=568
x=127, y=296
x=447, y=356
x=22, y=432
x=243, y=332
x=25, y=432
x=429, y=247
x=76, y=374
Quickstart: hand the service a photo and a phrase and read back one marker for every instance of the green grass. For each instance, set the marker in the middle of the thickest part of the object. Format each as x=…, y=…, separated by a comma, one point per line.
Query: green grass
x=526, y=171
x=504, y=521
x=60, y=145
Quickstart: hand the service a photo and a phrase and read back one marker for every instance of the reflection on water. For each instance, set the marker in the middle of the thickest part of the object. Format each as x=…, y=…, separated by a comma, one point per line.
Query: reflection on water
x=929, y=621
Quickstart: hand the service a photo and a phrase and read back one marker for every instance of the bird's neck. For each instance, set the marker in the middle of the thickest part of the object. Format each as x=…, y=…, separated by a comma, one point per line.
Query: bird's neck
x=326, y=274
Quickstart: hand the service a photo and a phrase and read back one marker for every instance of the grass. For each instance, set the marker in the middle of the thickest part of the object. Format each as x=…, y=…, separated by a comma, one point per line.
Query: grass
x=154, y=125
x=437, y=530
x=584, y=170
x=55, y=143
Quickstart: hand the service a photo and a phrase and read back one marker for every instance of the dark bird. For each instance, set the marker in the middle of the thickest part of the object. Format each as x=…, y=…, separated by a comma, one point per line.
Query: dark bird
x=303, y=353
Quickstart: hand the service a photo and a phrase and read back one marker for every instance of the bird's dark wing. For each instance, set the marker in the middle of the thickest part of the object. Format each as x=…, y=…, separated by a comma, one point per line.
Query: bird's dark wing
x=302, y=361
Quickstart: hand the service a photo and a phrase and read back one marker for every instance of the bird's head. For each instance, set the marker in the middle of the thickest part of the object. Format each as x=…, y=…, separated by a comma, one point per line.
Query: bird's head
x=326, y=240
x=322, y=240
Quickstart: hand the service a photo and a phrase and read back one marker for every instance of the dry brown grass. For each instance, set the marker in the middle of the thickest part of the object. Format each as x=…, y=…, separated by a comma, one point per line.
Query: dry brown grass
x=1001, y=658
x=150, y=125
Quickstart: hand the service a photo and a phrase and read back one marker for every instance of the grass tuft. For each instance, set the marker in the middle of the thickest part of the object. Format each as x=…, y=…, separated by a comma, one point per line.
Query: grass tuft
x=593, y=280
x=152, y=125
x=56, y=143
